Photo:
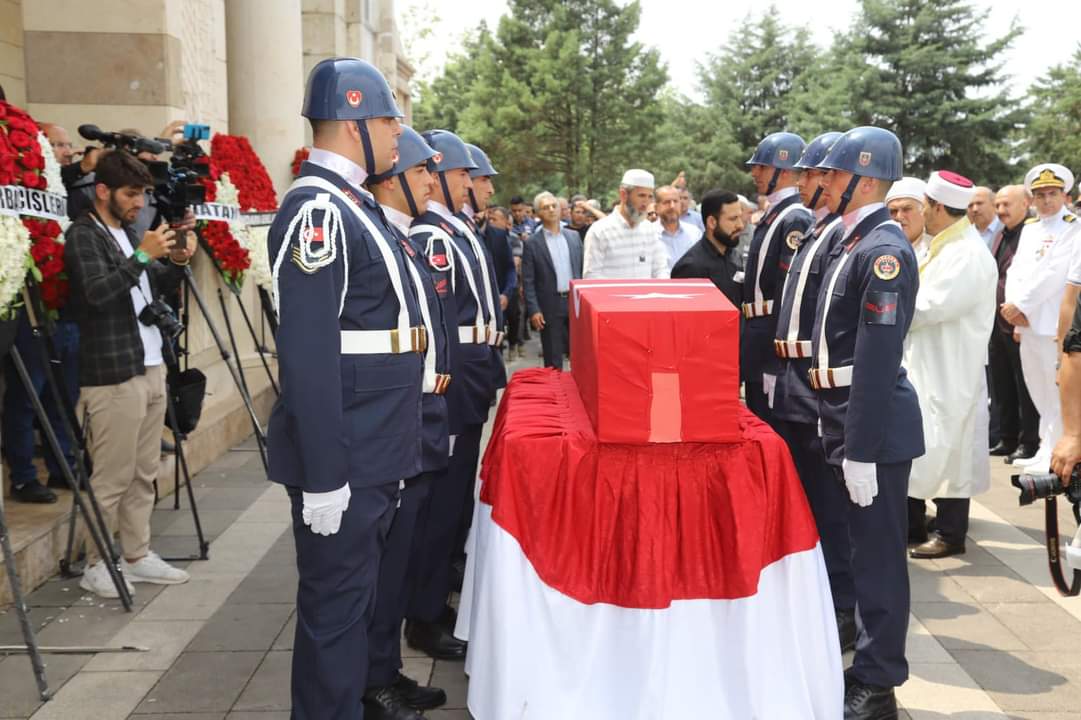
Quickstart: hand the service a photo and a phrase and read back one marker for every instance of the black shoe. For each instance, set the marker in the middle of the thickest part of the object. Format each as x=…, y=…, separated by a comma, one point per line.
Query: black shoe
x=434, y=640
x=418, y=696
x=449, y=619
x=33, y=492
x=1023, y=452
x=846, y=629
x=869, y=702
x=936, y=547
x=1003, y=449
x=386, y=703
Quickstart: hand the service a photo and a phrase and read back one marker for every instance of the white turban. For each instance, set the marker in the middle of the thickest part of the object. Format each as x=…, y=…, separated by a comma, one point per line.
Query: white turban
x=908, y=187
x=952, y=190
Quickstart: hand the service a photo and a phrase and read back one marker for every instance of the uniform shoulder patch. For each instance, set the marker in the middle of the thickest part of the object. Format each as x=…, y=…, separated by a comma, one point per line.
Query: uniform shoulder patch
x=880, y=308
x=1031, y=220
x=792, y=239
x=887, y=267
x=1069, y=218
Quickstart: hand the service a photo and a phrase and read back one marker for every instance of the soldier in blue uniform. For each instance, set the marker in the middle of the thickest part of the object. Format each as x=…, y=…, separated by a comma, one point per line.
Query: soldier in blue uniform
x=870, y=416
x=460, y=277
x=403, y=194
x=795, y=403
x=773, y=167
x=344, y=433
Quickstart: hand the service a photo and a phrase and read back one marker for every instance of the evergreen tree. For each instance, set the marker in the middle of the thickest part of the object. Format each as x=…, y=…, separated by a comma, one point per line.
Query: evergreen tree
x=1054, y=133
x=928, y=75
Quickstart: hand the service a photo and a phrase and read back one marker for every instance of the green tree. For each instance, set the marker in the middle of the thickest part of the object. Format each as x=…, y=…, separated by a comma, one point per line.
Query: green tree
x=930, y=76
x=1054, y=133
x=558, y=95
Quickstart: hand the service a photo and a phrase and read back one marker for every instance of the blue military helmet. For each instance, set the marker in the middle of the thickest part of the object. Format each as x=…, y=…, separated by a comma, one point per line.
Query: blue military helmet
x=412, y=151
x=455, y=155
x=484, y=165
x=817, y=149
x=778, y=150
x=348, y=88
x=868, y=152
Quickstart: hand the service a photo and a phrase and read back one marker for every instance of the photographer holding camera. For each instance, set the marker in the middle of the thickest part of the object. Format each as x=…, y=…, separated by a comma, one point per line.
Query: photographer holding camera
x=115, y=286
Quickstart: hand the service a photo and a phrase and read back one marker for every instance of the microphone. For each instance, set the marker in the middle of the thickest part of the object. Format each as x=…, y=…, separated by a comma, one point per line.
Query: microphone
x=133, y=142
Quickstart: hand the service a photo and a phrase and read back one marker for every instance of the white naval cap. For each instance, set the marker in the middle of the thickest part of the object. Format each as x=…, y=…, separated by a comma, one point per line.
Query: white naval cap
x=636, y=177
x=907, y=187
x=952, y=190
x=1049, y=175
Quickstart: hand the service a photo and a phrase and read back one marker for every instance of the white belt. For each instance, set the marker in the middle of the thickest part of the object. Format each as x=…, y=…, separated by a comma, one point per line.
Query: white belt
x=759, y=308
x=482, y=335
x=831, y=377
x=792, y=348
x=383, y=342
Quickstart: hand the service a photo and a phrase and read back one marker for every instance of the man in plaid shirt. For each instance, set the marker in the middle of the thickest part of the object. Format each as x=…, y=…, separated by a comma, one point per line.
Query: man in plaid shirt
x=114, y=275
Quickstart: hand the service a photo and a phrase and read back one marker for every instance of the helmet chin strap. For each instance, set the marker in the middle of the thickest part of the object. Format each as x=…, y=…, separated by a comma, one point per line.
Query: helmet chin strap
x=366, y=142
x=773, y=181
x=408, y=196
x=446, y=191
x=473, y=201
x=846, y=197
x=815, y=198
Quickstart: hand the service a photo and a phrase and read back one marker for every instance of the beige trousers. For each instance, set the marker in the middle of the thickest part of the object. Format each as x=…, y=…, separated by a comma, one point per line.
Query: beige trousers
x=123, y=433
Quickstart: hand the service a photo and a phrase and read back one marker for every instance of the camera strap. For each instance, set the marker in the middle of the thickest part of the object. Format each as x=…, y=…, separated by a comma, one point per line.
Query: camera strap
x=1053, y=559
x=109, y=234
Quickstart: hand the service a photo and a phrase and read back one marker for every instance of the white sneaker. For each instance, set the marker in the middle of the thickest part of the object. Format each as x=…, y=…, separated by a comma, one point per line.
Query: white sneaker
x=96, y=579
x=152, y=569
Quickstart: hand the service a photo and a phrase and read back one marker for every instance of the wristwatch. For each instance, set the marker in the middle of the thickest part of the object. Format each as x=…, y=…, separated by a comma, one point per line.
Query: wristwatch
x=141, y=257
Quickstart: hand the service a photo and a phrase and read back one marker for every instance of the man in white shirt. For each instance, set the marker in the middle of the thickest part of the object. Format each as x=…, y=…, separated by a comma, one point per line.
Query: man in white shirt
x=624, y=244
x=676, y=235
x=1035, y=285
x=981, y=213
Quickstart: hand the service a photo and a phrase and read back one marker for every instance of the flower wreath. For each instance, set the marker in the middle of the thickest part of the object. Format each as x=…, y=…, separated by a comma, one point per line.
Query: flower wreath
x=26, y=243
x=238, y=177
x=299, y=157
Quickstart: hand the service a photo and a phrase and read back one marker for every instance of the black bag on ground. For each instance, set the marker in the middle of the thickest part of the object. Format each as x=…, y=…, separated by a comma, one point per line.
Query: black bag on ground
x=187, y=390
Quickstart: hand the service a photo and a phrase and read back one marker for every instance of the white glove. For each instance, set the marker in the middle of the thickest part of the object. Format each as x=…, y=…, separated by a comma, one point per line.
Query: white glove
x=861, y=481
x=769, y=384
x=323, y=511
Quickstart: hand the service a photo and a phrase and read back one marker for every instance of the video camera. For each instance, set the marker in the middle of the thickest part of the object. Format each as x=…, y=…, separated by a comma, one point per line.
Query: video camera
x=1047, y=487
x=176, y=183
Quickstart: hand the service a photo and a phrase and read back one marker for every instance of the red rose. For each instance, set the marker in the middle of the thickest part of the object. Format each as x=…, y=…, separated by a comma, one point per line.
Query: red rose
x=19, y=139
x=32, y=161
x=3, y=110
x=53, y=228
x=29, y=179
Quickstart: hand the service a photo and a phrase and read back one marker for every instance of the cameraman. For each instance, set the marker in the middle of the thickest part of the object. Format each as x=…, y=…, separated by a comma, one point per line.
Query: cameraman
x=1067, y=451
x=121, y=370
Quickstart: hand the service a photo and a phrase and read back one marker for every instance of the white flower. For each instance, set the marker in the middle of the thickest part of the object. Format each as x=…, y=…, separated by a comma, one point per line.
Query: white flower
x=52, y=176
x=14, y=251
x=260, y=260
x=227, y=192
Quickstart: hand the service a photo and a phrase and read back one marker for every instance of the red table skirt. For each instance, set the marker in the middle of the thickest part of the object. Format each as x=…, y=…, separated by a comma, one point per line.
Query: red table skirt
x=638, y=525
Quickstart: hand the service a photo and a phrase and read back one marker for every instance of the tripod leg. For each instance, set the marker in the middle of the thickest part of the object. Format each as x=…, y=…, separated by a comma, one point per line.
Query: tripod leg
x=258, y=346
x=232, y=340
x=180, y=462
x=103, y=546
x=268, y=311
x=260, y=436
x=21, y=610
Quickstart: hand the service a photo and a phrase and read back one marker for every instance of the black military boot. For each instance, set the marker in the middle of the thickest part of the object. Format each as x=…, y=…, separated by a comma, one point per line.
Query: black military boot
x=869, y=702
x=434, y=640
x=386, y=703
x=418, y=696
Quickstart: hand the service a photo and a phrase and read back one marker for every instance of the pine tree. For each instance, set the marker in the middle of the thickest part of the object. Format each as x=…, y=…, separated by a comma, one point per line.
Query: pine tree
x=1054, y=133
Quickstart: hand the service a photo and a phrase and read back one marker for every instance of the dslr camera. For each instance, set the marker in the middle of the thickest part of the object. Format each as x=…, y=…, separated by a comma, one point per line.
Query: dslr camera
x=1047, y=487
x=158, y=314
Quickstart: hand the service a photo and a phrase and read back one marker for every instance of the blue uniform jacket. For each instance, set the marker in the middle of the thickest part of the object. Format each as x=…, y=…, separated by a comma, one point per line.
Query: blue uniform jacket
x=435, y=444
x=499, y=370
x=877, y=419
x=793, y=398
x=341, y=418
x=471, y=390
x=756, y=341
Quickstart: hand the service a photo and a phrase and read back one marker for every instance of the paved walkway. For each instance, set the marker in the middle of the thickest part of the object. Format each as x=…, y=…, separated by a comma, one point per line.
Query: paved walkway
x=989, y=638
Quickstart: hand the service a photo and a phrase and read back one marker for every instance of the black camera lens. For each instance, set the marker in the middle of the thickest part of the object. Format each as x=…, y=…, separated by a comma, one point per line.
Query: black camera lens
x=1037, y=486
x=158, y=314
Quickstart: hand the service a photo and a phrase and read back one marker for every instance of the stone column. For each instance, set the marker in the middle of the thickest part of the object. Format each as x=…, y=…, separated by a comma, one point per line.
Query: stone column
x=266, y=80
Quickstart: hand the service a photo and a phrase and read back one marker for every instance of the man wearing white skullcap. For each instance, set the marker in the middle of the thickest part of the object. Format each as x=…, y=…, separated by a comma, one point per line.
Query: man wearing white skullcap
x=945, y=353
x=1035, y=286
x=624, y=244
x=905, y=203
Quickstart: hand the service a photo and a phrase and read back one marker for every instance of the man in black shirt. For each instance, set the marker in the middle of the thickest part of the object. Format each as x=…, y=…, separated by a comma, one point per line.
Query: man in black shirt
x=714, y=256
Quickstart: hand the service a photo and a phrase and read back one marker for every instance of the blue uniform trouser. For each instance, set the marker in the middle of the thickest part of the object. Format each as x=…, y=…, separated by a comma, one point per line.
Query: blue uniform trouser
x=397, y=578
x=18, y=413
x=469, y=462
x=829, y=503
x=446, y=509
x=879, y=535
x=335, y=604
